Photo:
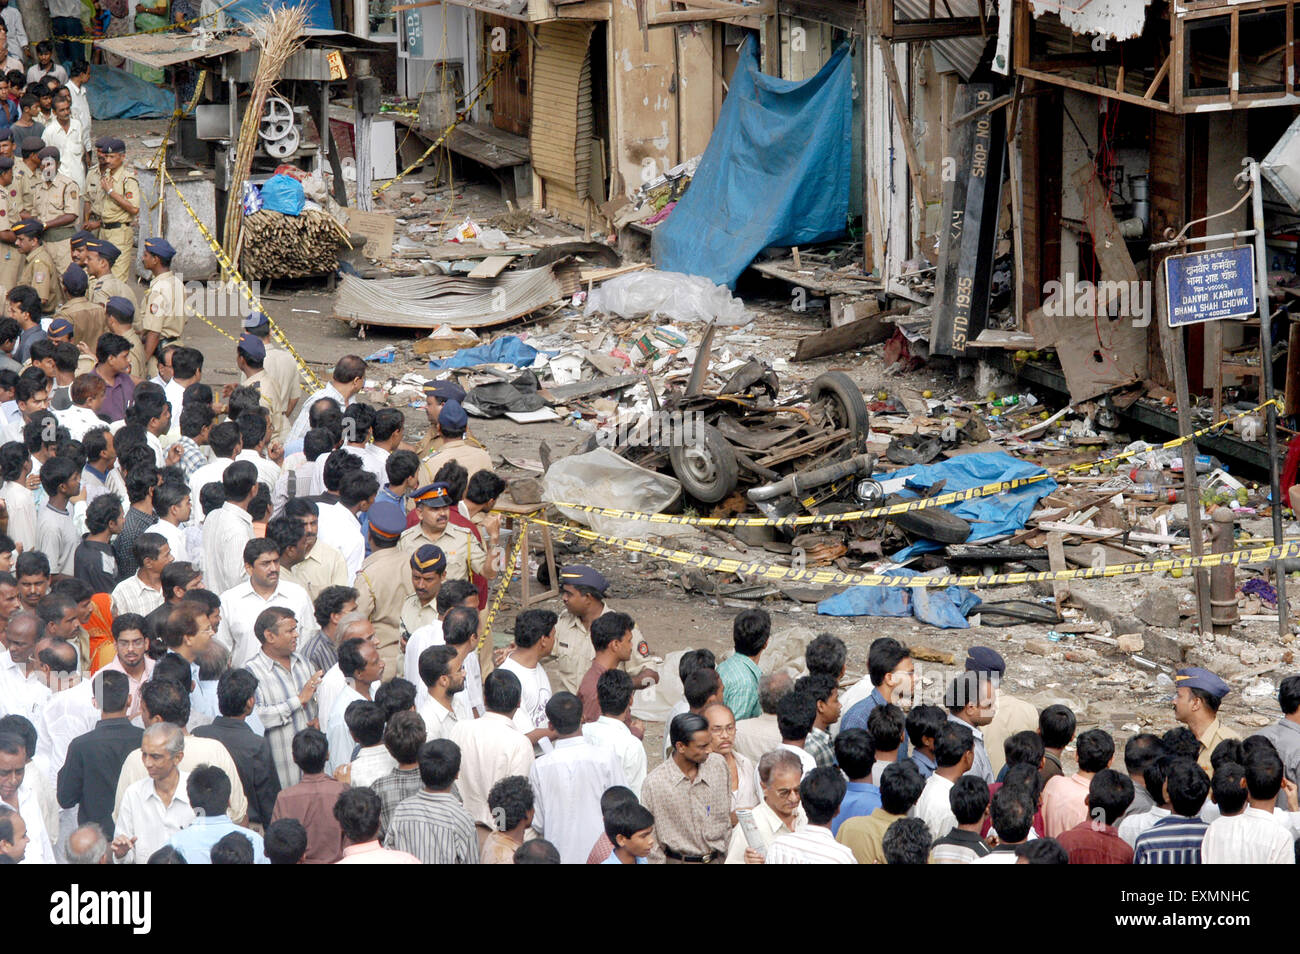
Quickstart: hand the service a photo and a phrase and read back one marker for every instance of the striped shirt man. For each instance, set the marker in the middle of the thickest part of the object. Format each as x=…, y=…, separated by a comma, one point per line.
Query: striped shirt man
x=277, y=705
x=393, y=789
x=435, y=828
x=1175, y=840
x=133, y=595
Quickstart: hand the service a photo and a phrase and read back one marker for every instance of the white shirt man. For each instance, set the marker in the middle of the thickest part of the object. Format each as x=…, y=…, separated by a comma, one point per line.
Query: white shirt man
x=332, y=685
x=143, y=816
x=438, y=719
x=209, y=473
x=303, y=474
x=615, y=735
x=567, y=785
x=934, y=808
x=133, y=595
x=336, y=729
x=420, y=640
x=268, y=471
x=240, y=607
x=1134, y=825
x=225, y=532
x=1251, y=837
x=490, y=749
x=81, y=111
x=40, y=850
x=176, y=538
x=17, y=31
x=810, y=845
x=340, y=529
x=198, y=751
x=78, y=420
x=372, y=762
x=301, y=422
x=68, y=714
x=535, y=692
x=70, y=143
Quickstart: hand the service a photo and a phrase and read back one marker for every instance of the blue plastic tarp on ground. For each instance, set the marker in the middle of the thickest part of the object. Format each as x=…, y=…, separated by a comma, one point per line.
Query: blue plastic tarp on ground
x=776, y=172
x=120, y=94
x=990, y=516
x=319, y=15
x=946, y=608
x=507, y=350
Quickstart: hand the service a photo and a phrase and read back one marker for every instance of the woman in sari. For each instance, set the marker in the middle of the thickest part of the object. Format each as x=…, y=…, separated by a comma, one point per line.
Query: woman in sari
x=100, y=627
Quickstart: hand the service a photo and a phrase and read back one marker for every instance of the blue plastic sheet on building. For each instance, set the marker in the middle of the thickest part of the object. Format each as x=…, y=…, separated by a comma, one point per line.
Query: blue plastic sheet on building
x=319, y=15
x=946, y=608
x=990, y=516
x=775, y=173
x=507, y=350
x=119, y=94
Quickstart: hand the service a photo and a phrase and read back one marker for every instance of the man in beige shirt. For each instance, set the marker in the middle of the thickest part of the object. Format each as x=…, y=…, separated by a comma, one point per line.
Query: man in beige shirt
x=321, y=565
x=114, y=201
x=492, y=748
x=1012, y=715
x=452, y=424
x=56, y=201
x=900, y=787
x=163, y=320
x=281, y=377
x=384, y=582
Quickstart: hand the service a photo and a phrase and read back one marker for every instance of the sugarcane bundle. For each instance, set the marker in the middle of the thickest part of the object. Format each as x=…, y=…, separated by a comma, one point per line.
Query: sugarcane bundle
x=279, y=36
x=276, y=245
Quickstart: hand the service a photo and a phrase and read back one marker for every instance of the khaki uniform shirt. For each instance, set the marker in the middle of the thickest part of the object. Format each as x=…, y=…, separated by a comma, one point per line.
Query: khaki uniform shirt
x=573, y=653
x=323, y=567
x=88, y=320
x=164, y=311
x=270, y=400
x=383, y=583
x=463, y=552
x=125, y=184
x=282, y=370
x=1215, y=733
x=11, y=260
x=59, y=196
x=137, y=353
x=24, y=179
x=472, y=458
x=40, y=273
x=110, y=286
x=416, y=614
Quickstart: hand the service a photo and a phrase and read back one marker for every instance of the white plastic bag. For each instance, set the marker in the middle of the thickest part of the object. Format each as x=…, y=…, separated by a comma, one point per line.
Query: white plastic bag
x=601, y=478
x=669, y=295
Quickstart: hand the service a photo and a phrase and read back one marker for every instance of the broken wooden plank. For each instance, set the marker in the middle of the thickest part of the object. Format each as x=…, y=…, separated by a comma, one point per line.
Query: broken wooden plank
x=491, y=267
x=564, y=393
x=856, y=334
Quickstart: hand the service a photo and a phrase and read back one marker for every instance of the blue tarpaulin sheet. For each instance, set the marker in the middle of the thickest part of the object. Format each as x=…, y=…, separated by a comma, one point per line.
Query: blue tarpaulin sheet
x=507, y=350
x=119, y=94
x=319, y=15
x=776, y=172
x=946, y=608
x=990, y=516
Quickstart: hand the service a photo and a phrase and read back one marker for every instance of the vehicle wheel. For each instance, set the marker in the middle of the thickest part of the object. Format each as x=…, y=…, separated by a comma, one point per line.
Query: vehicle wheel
x=707, y=467
x=847, y=408
x=931, y=523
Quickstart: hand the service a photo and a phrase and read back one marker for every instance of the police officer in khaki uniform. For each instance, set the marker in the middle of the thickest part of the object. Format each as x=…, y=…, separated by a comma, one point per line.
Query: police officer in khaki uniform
x=121, y=321
x=88, y=319
x=384, y=582
x=163, y=321
x=436, y=393
x=250, y=356
x=464, y=553
x=452, y=422
x=56, y=201
x=11, y=259
x=27, y=171
x=39, y=271
x=77, y=245
x=115, y=202
x=428, y=567
x=582, y=589
x=1197, y=697
x=282, y=381
x=101, y=257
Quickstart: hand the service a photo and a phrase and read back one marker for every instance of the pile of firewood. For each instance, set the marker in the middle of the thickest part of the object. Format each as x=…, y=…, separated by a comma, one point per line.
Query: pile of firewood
x=276, y=245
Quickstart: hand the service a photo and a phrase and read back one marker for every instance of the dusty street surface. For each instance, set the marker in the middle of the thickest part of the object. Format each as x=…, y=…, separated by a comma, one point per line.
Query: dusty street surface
x=1122, y=693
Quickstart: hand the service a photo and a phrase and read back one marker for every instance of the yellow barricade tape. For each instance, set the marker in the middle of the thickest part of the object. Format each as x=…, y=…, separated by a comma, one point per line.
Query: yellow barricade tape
x=907, y=506
x=504, y=584
x=829, y=577
x=161, y=159
x=460, y=117
x=228, y=267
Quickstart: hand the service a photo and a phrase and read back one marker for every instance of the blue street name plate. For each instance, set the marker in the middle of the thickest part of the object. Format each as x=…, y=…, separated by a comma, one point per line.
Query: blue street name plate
x=1209, y=286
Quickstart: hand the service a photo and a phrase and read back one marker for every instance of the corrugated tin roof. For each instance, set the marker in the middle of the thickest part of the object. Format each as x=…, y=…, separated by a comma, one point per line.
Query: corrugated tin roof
x=960, y=54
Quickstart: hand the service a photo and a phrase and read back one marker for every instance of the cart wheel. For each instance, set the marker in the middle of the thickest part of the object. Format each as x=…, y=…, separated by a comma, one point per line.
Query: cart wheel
x=845, y=403
x=707, y=467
